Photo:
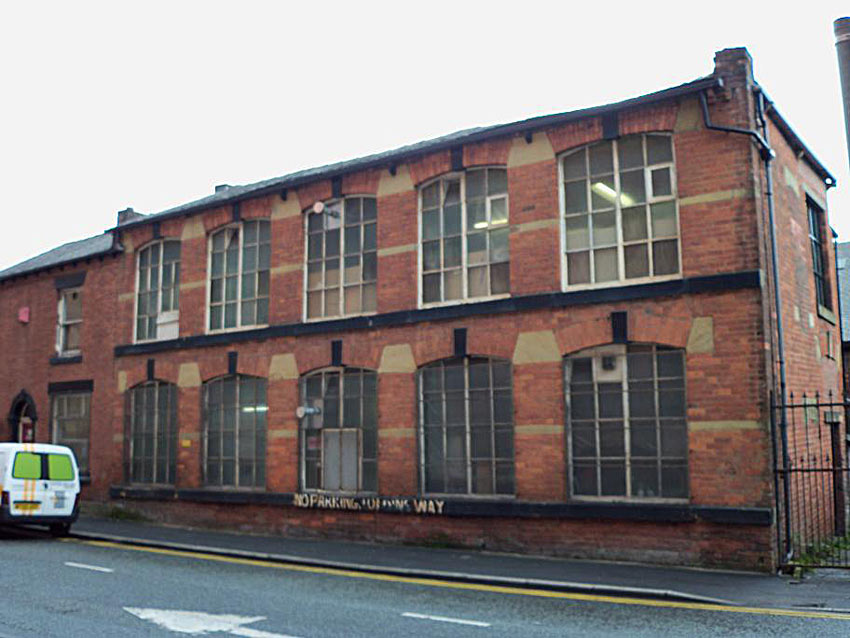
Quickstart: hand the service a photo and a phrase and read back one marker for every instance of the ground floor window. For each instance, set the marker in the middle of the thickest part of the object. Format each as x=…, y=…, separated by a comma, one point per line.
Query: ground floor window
x=626, y=412
x=339, y=434
x=153, y=433
x=466, y=431
x=70, y=415
x=235, y=411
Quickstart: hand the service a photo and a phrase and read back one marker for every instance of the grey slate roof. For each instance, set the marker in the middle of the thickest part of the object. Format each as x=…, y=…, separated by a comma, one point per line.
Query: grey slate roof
x=72, y=251
x=843, y=259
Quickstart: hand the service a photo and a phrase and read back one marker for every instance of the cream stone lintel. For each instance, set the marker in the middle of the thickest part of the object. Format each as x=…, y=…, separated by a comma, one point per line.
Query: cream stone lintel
x=713, y=426
x=191, y=436
x=522, y=153
x=536, y=347
x=291, y=207
x=701, y=337
x=127, y=243
x=283, y=434
x=716, y=196
x=815, y=197
x=117, y=438
x=126, y=296
x=192, y=285
x=189, y=376
x=285, y=268
x=791, y=180
x=539, y=429
x=122, y=381
x=396, y=250
x=688, y=117
x=396, y=433
x=397, y=358
x=539, y=224
x=283, y=366
x=394, y=184
x=193, y=228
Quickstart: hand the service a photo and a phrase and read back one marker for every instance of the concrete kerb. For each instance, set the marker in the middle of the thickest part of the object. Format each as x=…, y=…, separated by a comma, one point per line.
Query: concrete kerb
x=480, y=579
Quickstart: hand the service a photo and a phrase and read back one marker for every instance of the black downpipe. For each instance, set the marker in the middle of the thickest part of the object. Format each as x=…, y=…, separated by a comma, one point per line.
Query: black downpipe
x=767, y=155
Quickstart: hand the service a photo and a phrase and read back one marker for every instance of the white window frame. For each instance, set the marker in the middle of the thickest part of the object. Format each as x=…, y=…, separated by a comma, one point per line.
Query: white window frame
x=61, y=350
x=240, y=225
x=650, y=199
x=162, y=317
x=341, y=287
x=464, y=267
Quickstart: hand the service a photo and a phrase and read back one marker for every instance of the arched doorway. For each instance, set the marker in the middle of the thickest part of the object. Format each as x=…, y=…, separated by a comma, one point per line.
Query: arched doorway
x=22, y=418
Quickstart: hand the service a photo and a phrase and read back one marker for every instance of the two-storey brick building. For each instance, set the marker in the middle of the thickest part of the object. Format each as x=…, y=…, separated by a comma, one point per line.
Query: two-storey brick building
x=553, y=336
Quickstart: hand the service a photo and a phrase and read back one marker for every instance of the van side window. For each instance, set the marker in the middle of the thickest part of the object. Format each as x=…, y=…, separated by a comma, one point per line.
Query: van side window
x=27, y=466
x=59, y=467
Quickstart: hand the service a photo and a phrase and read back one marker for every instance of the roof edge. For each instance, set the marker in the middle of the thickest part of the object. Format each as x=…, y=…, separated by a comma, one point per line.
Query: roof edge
x=115, y=249
x=388, y=158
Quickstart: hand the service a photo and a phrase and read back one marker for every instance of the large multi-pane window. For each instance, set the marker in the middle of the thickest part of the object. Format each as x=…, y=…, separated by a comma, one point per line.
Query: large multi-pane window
x=240, y=258
x=70, y=321
x=620, y=212
x=626, y=417
x=464, y=230
x=158, y=291
x=816, y=224
x=70, y=416
x=235, y=411
x=152, y=433
x=342, y=258
x=339, y=437
x=466, y=431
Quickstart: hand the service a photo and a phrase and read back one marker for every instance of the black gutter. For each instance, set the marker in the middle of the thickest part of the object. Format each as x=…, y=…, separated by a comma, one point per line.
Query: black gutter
x=741, y=280
x=391, y=158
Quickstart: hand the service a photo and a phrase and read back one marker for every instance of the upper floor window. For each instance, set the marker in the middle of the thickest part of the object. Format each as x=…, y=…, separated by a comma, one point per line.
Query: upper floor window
x=620, y=214
x=158, y=291
x=464, y=231
x=240, y=258
x=626, y=410
x=70, y=414
x=234, y=423
x=466, y=427
x=816, y=233
x=70, y=321
x=339, y=442
x=153, y=433
x=342, y=258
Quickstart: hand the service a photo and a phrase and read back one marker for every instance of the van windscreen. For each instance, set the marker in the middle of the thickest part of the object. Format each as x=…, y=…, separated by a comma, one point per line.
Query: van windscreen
x=59, y=467
x=27, y=466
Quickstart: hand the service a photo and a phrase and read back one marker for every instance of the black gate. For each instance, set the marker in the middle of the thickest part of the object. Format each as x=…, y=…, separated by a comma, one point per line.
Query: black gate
x=811, y=479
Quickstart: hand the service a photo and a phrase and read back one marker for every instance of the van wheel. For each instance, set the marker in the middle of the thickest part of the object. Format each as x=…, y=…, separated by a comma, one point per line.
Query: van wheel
x=60, y=529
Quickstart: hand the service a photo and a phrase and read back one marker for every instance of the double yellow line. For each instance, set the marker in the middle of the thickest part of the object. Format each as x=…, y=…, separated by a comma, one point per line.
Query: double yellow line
x=496, y=589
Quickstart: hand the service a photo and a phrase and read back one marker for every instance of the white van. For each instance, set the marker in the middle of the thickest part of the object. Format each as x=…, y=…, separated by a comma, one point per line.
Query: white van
x=39, y=484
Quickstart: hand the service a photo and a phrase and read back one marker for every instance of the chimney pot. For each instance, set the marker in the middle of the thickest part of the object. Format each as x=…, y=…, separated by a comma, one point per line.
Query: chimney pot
x=222, y=187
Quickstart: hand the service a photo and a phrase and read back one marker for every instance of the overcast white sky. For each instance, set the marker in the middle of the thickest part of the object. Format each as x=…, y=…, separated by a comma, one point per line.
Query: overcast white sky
x=105, y=105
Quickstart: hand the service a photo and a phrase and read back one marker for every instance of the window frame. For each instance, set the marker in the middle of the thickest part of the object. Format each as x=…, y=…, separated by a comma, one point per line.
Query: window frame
x=240, y=226
x=62, y=323
x=175, y=285
x=464, y=265
x=82, y=468
x=618, y=222
x=598, y=351
x=422, y=461
x=338, y=427
x=816, y=218
x=170, y=432
x=341, y=286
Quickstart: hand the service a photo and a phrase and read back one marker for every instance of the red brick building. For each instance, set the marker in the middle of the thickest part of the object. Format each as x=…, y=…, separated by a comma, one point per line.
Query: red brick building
x=552, y=336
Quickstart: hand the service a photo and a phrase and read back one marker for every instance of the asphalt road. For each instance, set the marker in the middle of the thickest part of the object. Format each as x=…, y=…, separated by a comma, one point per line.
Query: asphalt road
x=69, y=588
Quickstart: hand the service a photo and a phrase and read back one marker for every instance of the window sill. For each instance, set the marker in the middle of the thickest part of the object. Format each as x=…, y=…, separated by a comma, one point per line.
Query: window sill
x=351, y=316
x=224, y=331
x=826, y=314
x=63, y=359
x=459, y=302
x=620, y=283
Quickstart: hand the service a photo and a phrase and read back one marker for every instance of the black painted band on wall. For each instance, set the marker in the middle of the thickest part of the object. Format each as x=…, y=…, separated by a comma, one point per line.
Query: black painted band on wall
x=689, y=285
x=83, y=385
x=70, y=281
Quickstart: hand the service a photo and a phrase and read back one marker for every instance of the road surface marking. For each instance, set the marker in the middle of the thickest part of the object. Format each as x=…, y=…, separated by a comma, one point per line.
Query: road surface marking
x=458, y=621
x=93, y=568
x=200, y=623
x=496, y=589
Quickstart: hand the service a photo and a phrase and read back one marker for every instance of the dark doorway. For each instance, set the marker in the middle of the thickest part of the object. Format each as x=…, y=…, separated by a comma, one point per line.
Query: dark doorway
x=22, y=418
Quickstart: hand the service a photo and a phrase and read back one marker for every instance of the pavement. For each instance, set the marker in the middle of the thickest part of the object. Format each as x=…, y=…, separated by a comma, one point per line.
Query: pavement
x=823, y=590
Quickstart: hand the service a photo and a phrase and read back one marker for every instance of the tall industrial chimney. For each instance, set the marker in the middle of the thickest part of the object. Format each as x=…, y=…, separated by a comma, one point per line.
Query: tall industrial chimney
x=842, y=45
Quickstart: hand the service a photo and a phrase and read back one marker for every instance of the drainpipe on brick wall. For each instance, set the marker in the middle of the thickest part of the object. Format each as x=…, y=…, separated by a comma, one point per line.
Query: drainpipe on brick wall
x=767, y=155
